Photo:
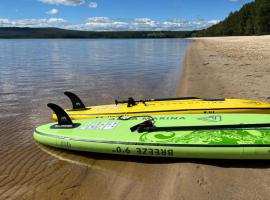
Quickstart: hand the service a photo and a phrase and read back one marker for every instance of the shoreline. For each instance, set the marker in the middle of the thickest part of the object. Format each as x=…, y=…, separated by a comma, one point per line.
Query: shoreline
x=194, y=77
x=227, y=67
x=231, y=67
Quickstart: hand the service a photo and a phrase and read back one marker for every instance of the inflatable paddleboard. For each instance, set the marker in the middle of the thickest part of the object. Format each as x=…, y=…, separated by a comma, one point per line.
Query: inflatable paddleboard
x=186, y=105
x=214, y=136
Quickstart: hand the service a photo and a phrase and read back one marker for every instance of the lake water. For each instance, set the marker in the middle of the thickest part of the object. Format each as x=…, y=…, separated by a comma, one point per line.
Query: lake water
x=36, y=72
x=99, y=70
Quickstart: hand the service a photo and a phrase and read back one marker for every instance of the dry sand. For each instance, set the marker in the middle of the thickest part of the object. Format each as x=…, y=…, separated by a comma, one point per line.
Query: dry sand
x=214, y=67
x=229, y=67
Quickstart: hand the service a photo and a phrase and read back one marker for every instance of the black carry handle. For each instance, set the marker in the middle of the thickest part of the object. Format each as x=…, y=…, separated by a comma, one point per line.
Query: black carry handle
x=77, y=103
x=63, y=119
x=142, y=126
x=162, y=99
x=148, y=127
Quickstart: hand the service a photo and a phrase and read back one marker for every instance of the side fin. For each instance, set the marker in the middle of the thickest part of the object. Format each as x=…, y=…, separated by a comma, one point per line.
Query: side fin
x=77, y=103
x=63, y=119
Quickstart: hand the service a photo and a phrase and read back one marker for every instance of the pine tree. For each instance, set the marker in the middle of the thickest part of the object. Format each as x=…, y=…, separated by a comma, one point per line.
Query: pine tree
x=252, y=19
x=262, y=17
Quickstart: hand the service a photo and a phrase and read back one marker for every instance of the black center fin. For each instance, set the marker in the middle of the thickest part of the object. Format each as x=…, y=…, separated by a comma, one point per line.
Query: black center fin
x=64, y=120
x=77, y=103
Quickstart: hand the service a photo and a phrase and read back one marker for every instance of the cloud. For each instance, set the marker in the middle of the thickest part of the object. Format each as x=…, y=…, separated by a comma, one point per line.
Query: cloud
x=109, y=24
x=56, y=20
x=143, y=24
x=213, y=22
x=50, y=22
x=93, y=5
x=64, y=2
x=99, y=20
x=103, y=24
x=140, y=24
x=53, y=12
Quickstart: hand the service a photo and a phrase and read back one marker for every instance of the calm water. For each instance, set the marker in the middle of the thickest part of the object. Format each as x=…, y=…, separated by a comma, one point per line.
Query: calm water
x=35, y=72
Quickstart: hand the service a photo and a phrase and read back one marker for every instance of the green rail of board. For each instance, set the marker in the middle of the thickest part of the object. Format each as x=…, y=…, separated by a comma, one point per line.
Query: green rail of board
x=113, y=136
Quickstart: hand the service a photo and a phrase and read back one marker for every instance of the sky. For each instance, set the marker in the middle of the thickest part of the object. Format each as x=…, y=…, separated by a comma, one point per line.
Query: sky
x=117, y=15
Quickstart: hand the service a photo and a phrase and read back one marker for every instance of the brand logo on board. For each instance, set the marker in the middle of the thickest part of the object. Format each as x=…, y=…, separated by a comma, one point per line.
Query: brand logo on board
x=214, y=118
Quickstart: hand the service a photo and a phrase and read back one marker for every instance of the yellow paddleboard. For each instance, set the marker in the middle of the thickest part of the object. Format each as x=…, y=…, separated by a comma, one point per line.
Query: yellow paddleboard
x=164, y=107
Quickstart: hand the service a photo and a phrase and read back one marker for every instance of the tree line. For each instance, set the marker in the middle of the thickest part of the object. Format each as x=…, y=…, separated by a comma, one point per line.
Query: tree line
x=252, y=19
x=16, y=32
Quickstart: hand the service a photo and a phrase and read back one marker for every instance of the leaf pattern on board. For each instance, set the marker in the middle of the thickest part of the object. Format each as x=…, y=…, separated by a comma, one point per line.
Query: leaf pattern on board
x=210, y=137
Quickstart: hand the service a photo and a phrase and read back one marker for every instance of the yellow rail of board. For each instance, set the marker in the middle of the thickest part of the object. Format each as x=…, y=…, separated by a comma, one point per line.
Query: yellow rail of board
x=194, y=106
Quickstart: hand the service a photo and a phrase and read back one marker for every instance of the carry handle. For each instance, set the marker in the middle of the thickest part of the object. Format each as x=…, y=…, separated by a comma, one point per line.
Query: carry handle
x=148, y=127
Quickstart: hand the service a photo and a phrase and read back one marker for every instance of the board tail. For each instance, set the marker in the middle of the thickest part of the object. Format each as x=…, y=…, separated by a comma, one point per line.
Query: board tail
x=77, y=103
x=63, y=119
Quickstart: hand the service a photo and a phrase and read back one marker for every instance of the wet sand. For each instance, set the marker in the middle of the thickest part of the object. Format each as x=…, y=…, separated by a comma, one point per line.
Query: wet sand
x=213, y=68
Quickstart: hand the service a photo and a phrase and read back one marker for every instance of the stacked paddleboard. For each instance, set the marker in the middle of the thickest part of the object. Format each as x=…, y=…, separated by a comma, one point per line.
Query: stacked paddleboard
x=213, y=136
x=186, y=105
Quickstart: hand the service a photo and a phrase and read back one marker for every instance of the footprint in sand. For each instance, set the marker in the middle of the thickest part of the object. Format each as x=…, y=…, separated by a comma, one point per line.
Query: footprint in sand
x=207, y=63
x=202, y=182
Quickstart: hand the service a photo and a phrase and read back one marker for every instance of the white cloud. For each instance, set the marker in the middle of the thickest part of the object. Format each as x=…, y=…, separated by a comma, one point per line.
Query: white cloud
x=103, y=24
x=93, y=5
x=56, y=20
x=143, y=24
x=64, y=2
x=53, y=12
x=140, y=24
x=51, y=22
x=182, y=25
x=215, y=21
x=99, y=20
x=108, y=24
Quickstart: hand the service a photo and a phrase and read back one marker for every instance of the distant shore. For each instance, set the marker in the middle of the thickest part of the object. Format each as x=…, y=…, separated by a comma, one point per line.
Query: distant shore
x=227, y=67
x=57, y=33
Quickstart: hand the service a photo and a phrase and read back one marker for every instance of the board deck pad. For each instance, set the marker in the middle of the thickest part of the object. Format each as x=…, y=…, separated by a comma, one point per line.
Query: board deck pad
x=111, y=135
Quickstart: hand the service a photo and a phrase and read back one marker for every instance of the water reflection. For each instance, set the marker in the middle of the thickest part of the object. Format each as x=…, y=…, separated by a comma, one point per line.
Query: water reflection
x=36, y=72
x=104, y=69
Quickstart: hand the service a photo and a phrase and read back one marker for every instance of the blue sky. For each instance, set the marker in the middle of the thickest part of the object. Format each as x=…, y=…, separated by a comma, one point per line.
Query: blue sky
x=117, y=14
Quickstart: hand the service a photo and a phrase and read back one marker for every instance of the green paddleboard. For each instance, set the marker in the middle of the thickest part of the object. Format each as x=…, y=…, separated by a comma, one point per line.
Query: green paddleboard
x=222, y=136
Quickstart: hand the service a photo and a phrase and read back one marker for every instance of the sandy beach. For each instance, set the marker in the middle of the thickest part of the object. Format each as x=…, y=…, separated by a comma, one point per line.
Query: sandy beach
x=229, y=67
x=235, y=67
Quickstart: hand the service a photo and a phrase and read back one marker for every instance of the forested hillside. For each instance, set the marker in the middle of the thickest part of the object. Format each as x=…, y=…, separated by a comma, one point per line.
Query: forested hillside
x=252, y=19
x=15, y=32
